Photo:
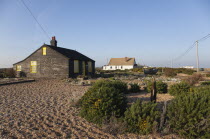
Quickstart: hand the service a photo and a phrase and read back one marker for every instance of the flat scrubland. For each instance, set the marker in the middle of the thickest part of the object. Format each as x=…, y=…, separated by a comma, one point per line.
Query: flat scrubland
x=45, y=109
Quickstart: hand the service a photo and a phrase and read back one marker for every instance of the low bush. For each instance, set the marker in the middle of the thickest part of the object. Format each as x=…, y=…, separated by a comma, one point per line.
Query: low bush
x=114, y=126
x=200, y=89
x=207, y=75
x=194, y=79
x=104, y=99
x=137, y=70
x=169, y=72
x=189, y=114
x=185, y=71
x=179, y=88
x=134, y=88
x=142, y=118
x=7, y=73
x=160, y=86
x=205, y=83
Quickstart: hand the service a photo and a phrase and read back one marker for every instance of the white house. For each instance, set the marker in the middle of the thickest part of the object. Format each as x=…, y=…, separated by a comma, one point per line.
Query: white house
x=120, y=64
x=188, y=67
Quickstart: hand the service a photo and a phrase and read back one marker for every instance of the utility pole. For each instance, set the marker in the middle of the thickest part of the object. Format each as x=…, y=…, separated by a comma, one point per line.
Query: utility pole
x=197, y=57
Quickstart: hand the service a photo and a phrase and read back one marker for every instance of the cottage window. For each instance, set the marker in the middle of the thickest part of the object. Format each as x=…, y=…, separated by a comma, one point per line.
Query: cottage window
x=89, y=66
x=44, y=51
x=33, y=67
x=76, y=66
x=18, y=67
x=83, y=68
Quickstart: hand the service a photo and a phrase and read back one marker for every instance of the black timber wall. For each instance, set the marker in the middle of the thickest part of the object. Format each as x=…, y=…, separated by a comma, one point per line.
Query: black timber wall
x=71, y=68
x=51, y=65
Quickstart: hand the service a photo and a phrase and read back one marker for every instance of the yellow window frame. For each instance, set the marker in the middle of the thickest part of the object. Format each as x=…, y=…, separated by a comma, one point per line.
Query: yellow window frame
x=18, y=68
x=90, y=66
x=76, y=66
x=33, y=67
x=44, y=51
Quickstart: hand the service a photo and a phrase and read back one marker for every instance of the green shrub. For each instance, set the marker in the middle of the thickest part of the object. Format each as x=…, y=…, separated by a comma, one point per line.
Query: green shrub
x=185, y=71
x=142, y=118
x=207, y=75
x=160, y=86
x=200, y=89
x=179, y=88
x=169, y=72
x=137, y=70
x=189, y=114
x=194, y=79
x=205, y=83
x=104, y=99
x=134, y=88
x=119, y=85
x=7, y=73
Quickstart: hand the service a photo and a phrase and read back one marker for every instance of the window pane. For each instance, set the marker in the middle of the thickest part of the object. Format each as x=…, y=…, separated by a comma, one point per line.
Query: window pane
x=76, y=66
x=33, y=67
x=18, y=67
x=44, y=51
x=89, y=66
x=33, y=63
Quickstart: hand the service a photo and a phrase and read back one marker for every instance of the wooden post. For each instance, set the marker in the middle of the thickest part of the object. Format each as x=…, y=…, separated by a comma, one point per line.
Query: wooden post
x=153, y=96
x=155, y=92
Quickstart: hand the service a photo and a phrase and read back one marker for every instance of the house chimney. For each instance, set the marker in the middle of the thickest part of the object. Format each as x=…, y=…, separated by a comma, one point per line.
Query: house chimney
x=53, y=42
x=126, y=59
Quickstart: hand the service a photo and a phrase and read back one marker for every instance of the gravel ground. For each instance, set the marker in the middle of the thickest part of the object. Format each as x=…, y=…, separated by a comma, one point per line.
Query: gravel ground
x=42, y=109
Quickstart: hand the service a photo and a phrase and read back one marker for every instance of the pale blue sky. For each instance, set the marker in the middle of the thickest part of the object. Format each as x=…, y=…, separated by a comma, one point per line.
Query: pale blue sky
x=152, y=31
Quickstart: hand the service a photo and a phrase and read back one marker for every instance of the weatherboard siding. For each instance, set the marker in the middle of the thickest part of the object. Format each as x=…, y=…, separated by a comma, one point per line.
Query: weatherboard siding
x=51, y=65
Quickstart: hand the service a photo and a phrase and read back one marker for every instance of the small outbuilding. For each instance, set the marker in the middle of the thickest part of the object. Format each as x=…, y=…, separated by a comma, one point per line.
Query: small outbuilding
x=51, y=61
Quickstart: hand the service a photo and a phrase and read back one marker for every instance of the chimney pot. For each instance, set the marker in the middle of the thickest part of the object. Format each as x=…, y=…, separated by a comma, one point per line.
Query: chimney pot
x=53, y=42
x=126, y=59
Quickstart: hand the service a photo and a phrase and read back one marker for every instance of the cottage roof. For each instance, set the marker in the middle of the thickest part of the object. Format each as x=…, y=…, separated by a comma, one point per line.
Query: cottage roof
x=72, y=54
x=122, y=61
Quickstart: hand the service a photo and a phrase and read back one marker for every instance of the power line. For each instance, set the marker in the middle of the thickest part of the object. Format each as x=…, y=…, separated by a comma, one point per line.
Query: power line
x=35, y=18
x=204, y=38
x=187, y=51
x=190, y=48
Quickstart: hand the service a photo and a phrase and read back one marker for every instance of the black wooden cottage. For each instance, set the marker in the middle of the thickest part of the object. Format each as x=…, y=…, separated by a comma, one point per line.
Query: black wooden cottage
x=51, y=61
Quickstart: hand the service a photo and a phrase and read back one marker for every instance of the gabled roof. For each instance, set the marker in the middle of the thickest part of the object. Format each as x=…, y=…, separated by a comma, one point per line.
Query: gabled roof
x=122, y=61
x=72, y=54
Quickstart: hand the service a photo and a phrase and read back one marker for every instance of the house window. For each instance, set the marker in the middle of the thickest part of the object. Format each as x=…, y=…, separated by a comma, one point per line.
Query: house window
x=89, y=66
x=44, y=51
x=76, y=66
x=121, y=67
x=111, y=67
x=18, y=67
x=33, y=67
x=83, y=68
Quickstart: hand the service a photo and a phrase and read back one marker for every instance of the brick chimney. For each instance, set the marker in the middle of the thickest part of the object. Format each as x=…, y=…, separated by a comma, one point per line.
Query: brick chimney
x=53, y=42
x=126, y=59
